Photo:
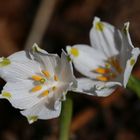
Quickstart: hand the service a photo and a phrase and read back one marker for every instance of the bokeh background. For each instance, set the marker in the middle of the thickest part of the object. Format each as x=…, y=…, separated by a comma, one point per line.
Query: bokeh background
x=116, y=117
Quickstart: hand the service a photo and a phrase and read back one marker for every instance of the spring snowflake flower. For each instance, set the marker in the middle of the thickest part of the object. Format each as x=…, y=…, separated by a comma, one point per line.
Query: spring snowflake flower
x=36, y=82
x=108, y=62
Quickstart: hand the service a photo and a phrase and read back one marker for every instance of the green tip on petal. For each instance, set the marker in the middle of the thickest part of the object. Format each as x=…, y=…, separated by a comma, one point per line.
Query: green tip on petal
x=68, y=58
x=4, y=62
x=99, y=26
x=32, y=119
x=35, y=47
x=6, y=95
x=132, y=61
x=126, y=28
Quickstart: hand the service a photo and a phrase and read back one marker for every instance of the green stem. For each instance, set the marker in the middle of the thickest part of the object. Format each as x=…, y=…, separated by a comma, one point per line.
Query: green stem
x=65, y=118
x=134, y=85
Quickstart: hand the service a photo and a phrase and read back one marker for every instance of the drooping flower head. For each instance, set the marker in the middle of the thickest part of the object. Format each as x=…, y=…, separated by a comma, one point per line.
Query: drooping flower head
x=108, y=62
x=36, y=82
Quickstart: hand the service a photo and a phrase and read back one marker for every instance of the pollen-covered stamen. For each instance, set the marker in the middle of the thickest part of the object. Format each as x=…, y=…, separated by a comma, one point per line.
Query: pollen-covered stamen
x=55, y=77
x=46, y=73
x=102, y=78
x=36, y=88
x=38, y=78
x=115, y=63
x=54, y=88
x=101, y=70
x=44, y=93
x=112, y=67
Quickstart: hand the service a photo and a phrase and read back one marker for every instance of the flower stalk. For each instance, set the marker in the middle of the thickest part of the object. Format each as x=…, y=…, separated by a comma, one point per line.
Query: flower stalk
x=134, y=85
x=65, y=119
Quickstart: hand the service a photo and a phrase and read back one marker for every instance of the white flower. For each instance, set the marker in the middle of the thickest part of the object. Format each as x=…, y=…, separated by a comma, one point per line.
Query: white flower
x=108, y=62
x=36, y=82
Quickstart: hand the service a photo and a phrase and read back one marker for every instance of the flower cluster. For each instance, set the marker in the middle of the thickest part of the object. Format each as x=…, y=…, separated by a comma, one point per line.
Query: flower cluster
x=37, y=81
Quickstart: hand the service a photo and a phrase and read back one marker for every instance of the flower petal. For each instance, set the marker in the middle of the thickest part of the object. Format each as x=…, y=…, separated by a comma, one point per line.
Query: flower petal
x=96, y=88
x=105, y=38
x=47, y=61
x=130, y=64
x=57, y=95
x=40, y=111
x=86, y=86
x=20, y=56
x=87, y=60
x=65, y=72
x=18, y=67
x=20, y=95
x=18, y=71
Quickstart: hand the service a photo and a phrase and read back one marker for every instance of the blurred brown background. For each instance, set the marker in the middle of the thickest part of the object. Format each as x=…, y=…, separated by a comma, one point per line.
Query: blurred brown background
x=116, y=117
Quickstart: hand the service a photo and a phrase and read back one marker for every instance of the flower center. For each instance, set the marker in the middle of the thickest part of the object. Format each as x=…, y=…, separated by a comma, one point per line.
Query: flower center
x=110, y=71
x=45, y=83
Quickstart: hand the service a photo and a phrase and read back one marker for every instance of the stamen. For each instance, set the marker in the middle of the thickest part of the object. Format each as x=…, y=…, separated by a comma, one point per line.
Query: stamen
x=101, y=70
x=36, y=77
x=55, y=77
x=102, y=78
x=46, y=73
x=112, y=75
x=36, y=88
x=114, y=62
x=45, y=93
x=54, y=88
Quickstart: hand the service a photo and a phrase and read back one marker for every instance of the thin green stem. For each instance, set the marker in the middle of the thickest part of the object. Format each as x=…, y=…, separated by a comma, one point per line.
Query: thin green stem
x=134, y=85
x=65, y=118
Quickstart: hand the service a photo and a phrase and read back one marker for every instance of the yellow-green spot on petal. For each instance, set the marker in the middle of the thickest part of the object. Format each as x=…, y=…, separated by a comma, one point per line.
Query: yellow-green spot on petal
x=4, y=62
x=68, y=58
x=32, y=119
x=6, y=95
x=74, y=52
x=132, y=61
x=99, y=26
x=125, y=30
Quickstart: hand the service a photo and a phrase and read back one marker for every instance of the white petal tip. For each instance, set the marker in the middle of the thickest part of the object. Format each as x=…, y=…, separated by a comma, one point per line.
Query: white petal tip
x=96, y=19
x=127, y=24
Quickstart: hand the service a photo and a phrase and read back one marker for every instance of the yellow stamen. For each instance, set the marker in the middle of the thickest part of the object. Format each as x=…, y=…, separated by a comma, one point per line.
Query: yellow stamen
x=74, y=52
x=101, y=70
x=55, y=77
x=112, y=75
x=102, y=78
x=36, y=77
x=114, y=62
x=46, y=73
x=36, y=88
x=45, y=93
x=54, y=88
